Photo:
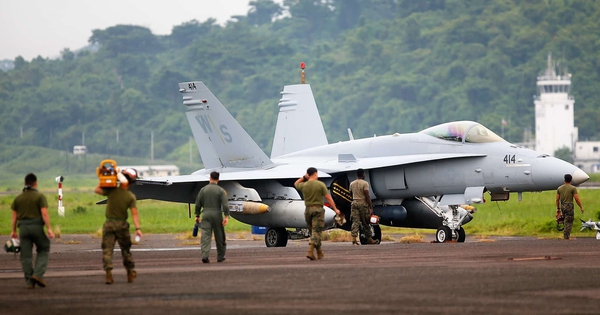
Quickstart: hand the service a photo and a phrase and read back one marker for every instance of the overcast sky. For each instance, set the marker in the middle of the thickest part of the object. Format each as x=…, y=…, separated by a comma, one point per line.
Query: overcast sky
x=45, y=27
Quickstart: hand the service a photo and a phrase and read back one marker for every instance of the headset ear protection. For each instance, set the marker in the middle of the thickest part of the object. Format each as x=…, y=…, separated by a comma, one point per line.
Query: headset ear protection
x=127, y=176
x=12, y=246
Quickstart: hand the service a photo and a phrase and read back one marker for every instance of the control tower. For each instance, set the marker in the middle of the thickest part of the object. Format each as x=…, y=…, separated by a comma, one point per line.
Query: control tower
x=554, y=119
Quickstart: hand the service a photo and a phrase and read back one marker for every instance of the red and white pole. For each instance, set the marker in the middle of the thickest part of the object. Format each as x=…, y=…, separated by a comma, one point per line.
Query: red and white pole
x=61, y=209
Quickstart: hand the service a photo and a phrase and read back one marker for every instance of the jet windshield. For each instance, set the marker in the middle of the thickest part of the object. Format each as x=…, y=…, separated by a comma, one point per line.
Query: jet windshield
x=459, y=131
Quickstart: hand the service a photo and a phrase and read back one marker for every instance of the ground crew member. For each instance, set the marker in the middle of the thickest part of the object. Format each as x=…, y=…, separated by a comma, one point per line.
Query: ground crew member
x=116, y=227
x=314, y=191
x=361, y=208
x=30, y=214
x=564, y=203
x=212, y=203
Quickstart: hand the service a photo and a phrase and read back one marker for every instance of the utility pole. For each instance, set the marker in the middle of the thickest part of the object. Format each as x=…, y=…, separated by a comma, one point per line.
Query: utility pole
x=152, y=145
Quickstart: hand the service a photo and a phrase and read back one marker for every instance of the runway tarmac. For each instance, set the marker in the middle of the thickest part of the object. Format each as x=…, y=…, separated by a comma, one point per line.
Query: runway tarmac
x=514, y=275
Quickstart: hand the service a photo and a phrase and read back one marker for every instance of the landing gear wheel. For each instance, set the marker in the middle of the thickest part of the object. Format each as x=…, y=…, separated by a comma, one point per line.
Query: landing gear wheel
x=276, y=237
x=443, y=234
x=375, y=231
x=461, y=235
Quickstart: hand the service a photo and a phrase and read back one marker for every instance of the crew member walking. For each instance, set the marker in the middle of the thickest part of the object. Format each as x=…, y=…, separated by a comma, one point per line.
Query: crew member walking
x=211, y=202
x=361, y=208
x=30, y=214
x=116, y=227
x=564, y=202
x=314, y=191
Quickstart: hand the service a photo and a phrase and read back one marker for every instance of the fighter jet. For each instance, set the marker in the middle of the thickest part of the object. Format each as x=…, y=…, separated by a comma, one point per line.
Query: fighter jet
x=417, y=180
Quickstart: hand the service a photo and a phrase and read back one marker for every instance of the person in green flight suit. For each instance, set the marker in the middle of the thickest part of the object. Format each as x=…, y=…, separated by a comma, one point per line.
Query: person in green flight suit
x=212, y=204
x=30, y=214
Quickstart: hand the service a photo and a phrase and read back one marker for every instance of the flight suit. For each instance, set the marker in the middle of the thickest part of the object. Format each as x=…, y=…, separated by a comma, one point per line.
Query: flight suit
x=212, y=203
x=28, y=206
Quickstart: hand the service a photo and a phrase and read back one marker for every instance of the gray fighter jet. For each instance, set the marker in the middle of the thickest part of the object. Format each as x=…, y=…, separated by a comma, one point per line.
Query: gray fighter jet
x=417, y=180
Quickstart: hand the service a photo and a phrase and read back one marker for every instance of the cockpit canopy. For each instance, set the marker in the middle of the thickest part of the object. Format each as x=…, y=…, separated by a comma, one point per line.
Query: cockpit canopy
x=463, y=131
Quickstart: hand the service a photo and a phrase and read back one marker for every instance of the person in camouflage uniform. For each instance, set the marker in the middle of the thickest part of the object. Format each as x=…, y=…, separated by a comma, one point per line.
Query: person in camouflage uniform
x=30, y=214
x=116, y=227
x=212, y=203
x=564, y=203
x=361, y=208
x=314, y=191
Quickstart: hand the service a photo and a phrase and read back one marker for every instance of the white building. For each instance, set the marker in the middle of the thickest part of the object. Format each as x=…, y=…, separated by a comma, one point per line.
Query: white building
x=554, y=108
x=154, y=170
x=555, y=121
x=587, y=156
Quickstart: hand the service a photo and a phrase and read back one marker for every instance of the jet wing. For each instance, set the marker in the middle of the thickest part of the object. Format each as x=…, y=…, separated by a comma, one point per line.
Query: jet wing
x=387, y=161
x=185, y=188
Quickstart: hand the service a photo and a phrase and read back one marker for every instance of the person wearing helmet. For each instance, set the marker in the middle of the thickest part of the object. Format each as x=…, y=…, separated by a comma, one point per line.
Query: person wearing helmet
x=116, y=227
x=30, y=214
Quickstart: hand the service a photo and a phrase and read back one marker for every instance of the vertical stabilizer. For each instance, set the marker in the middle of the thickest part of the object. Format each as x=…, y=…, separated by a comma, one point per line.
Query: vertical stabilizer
x=299, y=125
x=221, y=141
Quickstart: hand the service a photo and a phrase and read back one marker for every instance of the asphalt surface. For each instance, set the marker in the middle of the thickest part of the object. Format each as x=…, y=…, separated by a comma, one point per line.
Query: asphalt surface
x=489, y=276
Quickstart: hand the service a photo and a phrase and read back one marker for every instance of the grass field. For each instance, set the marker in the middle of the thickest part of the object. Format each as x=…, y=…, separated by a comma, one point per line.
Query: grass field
x=533, y=216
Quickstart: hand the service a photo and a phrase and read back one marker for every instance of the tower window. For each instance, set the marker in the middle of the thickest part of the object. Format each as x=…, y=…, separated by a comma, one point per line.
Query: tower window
x=567, y=107
x=595, y=149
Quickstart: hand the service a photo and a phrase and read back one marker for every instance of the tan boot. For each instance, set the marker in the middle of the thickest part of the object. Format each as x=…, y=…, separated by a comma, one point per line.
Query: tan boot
x=310, y=254
x=319, y=253
x=109, y=278
x=131, y=274
x=371, y=241
x=355, y=241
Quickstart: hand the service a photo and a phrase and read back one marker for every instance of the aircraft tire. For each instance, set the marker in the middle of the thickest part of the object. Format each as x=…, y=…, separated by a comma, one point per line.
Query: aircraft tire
x=443, y=234
x=461, y=235
x=375, y=231
x=276, y=237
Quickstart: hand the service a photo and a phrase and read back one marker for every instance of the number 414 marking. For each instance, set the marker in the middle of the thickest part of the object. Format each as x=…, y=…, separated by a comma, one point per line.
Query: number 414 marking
x=508, y=159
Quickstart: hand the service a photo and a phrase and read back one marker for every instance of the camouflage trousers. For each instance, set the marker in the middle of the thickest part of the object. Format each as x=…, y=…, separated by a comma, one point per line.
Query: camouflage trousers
x=360, y=215
x=116, y=230
x=568, y=213
x=315, y=222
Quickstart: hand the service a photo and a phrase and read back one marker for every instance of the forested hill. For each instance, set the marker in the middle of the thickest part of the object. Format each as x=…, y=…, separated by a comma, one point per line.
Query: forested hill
x=378, y=66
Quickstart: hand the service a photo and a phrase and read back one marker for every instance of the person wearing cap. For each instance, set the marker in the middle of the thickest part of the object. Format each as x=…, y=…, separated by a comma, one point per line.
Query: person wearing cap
x=116, y=227
x=314, y=191
x=30, y=214
x=361, y=208
x=212, y=204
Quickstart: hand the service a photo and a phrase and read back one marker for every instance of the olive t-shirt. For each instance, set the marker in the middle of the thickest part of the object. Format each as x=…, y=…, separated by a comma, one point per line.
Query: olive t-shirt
x=566, y=193
x=119, y=200
x=313, y=191
x=358, y=188
x=29, y=204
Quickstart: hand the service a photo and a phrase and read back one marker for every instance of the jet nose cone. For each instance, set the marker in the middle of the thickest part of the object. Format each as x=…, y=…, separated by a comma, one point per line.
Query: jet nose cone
x=579, y=177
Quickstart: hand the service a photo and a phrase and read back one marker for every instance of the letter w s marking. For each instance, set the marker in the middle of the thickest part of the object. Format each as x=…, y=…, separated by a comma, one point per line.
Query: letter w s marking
x=204, y=123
